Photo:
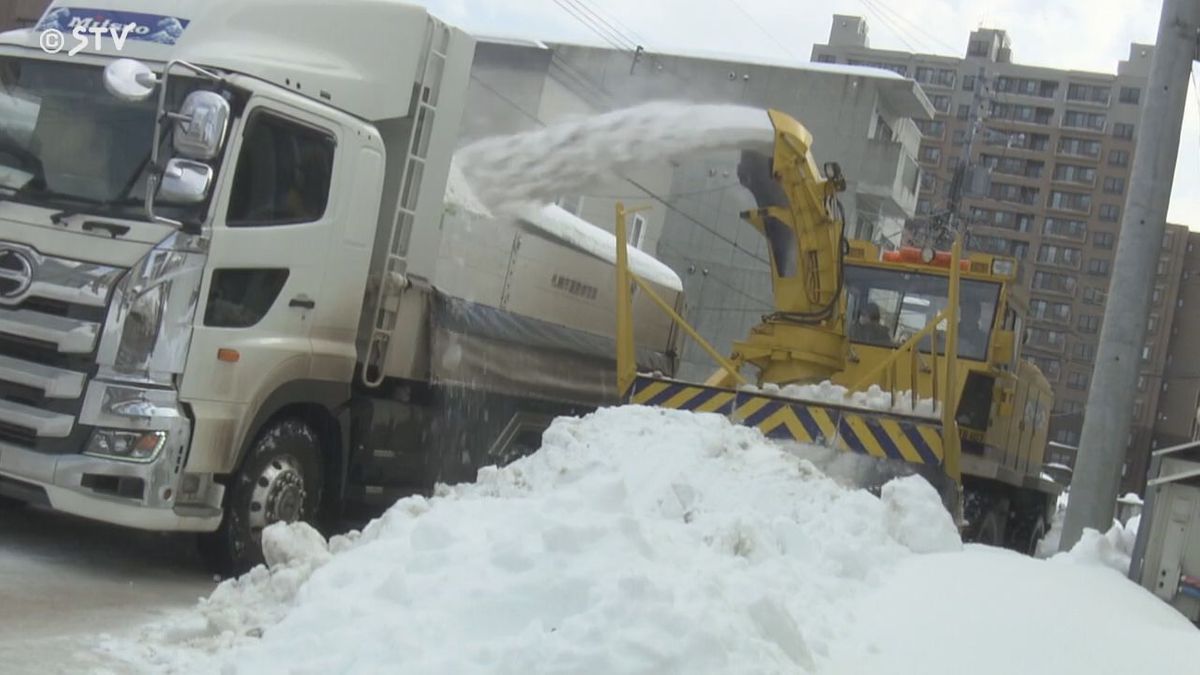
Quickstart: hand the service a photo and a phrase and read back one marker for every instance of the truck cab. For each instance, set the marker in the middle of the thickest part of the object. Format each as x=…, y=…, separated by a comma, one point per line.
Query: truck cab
x=188, y=217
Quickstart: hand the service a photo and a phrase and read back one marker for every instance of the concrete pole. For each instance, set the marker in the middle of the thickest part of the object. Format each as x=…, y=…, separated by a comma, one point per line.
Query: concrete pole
x=1109, y=411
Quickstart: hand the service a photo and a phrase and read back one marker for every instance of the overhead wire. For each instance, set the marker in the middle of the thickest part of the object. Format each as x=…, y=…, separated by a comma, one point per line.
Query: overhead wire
x=613, y=40
x=762, y=29
x=900, y=18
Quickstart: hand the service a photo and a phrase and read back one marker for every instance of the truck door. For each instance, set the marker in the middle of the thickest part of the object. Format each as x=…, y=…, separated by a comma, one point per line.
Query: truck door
x=275, y=216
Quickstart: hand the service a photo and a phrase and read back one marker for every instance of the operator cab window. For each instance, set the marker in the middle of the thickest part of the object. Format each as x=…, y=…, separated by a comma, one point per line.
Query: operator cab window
x=283, y=173
x=887, y=307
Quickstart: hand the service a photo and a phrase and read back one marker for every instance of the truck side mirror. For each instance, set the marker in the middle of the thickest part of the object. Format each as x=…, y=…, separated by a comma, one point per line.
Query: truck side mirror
x=185, y=181
x=129, y=80
x=200, y=125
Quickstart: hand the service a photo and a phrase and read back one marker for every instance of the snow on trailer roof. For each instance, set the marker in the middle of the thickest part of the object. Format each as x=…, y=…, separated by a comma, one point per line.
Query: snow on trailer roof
x=562, y=224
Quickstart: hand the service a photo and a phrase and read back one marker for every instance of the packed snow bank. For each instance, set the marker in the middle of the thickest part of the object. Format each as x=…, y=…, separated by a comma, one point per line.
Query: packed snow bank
x=988, y=611
x=874, y=398
x=636, y=540
x=565, y=157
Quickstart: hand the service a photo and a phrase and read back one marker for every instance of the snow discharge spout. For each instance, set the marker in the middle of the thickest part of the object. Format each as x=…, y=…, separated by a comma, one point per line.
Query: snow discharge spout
x=541, y=165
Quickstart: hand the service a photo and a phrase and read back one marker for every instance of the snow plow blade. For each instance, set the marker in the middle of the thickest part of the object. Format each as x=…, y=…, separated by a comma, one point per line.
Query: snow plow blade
x=866, y=447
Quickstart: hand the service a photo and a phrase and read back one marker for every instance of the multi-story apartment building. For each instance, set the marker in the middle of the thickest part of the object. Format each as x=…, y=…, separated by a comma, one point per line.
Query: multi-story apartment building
x=1046, y=155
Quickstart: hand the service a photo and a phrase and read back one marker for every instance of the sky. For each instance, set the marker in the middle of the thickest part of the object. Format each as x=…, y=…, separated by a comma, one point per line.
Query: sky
x=1092, y=35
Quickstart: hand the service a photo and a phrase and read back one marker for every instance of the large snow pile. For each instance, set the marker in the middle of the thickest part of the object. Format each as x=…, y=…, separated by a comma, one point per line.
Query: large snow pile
x=874, y=398
x=641, y=540
x=565, y=157
x=636, y=540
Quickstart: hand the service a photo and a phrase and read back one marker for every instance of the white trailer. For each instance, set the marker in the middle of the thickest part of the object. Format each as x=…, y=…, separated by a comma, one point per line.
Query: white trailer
x=231, y=291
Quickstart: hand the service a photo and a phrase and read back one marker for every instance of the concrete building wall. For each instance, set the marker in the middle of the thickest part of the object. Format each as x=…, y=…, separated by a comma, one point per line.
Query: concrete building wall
x=1057, y=148
x=1179, y=400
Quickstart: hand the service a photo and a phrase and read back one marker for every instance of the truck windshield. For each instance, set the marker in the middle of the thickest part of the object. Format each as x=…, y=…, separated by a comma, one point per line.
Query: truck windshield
x=65, y=142
x=887, y=307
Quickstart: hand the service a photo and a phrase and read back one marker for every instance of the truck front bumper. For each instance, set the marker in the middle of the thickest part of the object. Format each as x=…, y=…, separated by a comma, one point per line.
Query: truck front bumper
x=149, y=495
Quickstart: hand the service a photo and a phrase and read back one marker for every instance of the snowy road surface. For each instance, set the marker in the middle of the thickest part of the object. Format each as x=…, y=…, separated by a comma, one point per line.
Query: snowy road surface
x=65, y=580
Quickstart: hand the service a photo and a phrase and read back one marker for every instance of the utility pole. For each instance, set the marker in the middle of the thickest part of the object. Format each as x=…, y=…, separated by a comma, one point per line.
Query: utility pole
x=1109, y=412
x=963, y=170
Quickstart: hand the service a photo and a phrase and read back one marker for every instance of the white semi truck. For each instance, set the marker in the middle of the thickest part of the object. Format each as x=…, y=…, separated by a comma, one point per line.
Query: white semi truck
x=231, y=291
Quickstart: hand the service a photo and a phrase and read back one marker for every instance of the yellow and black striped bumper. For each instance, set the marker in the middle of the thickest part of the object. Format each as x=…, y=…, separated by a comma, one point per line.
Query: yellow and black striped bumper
x=879, y=434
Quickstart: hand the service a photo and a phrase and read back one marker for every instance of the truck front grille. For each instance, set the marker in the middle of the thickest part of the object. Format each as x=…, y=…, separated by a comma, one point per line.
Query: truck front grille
x=48, y=339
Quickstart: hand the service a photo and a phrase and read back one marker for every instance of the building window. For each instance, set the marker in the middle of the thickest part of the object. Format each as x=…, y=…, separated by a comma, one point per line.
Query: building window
x=1074, y=173
x=968, y=83
x=941, y=103
x=1089, y=323
x=1080, y=147
x=1013, y=193
x=1093, y=296
x=928, y=180
x=1098, y=267
x=1151, y=324
x=1062, y=256
x=1118, y=157
x=1158, y=295
x=964, y=111
x=1070, y=201
x=959, y=137
x=826, y=58
x=1051, y=368
x=1084, y=120
x=1077, y=380
x=1147, y=352
x=922, y=207
x=1045, y=310
x=1089, y=93
x=1103, y=240
x=1110, y=213
x=977, y=48
x=1169, y=241
x=1084, y=351
x=931, y=128
x=931, y=154
x=1123, y=130
x=1130, y=95
x=1065, y=228
x=1053, y=282
x=1114, y=185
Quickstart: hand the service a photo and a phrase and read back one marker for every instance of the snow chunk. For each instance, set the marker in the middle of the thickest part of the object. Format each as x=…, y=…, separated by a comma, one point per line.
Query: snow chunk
x=916, y=517
x=874, y=398
x=1112, y=549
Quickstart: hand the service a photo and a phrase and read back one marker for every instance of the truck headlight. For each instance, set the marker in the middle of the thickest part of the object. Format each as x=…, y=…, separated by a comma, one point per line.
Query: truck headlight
x=150, y=321
x=133, y=446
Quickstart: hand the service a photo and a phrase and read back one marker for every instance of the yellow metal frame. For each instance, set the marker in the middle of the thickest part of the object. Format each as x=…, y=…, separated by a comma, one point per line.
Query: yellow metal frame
x=626, y=350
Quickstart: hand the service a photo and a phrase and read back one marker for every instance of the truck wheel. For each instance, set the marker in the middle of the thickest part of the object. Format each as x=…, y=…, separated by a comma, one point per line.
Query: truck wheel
x=991, y=528
x=1026, y=532
x=280, y=480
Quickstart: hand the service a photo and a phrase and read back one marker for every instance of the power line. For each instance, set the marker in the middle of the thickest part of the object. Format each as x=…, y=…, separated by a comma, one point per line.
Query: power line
x=890, y=26
x=762, y=29
x=883, y=7
x=613, y=39
x=641, y=40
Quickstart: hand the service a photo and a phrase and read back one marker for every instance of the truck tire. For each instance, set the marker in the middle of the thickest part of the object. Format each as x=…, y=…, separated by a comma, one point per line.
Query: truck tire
x=279, y=480
x=991, y=528
x=1025, y=531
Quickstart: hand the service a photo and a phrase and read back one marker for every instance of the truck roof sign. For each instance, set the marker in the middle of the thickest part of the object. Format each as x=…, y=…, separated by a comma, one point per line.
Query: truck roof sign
x=156, y=28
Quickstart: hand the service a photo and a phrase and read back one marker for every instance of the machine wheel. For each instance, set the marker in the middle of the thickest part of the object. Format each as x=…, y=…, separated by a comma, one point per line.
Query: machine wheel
x=986, y=515
x=1025, y=531
x=991, y=529
x=280, y=480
